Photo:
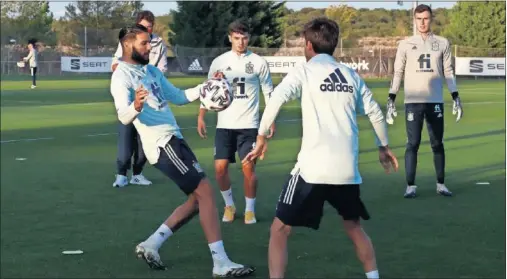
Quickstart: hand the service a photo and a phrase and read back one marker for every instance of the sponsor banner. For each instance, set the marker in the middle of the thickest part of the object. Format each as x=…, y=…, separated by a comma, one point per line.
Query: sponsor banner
x=195, y=64
x=86, y=64
x=283, y=64
x=480, y=66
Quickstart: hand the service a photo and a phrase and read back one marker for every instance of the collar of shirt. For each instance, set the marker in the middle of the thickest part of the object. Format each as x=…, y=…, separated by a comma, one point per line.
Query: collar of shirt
x=241, y=55
x=322, y=57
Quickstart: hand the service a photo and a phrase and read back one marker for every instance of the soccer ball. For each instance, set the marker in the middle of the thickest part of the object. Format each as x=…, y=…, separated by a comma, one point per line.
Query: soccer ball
x=216, y=94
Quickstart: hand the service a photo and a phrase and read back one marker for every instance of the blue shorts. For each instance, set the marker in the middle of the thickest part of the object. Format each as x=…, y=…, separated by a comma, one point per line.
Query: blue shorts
x=230, y=141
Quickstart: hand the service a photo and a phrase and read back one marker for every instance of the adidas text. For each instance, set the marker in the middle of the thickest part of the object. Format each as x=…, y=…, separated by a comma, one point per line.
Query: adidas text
x=336, y=87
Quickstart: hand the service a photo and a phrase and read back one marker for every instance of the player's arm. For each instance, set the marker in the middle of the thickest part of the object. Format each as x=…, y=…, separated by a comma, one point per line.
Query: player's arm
x=267, y=88
x=289, y=89
x=117, y=55
x=399, y=69
x=366, y=105
x=448, y=71
x=126, y=109
x=30, y=55
x=178, y=96
x=162, y=63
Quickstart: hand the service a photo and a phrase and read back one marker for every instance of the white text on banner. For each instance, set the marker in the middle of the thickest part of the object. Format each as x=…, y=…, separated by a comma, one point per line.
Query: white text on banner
x=86, y=64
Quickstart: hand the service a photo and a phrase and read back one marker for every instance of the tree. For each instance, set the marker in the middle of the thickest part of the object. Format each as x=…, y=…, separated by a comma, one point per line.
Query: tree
x=343, y=15
x=204, y=23
x=25, y=20
x=477, y=24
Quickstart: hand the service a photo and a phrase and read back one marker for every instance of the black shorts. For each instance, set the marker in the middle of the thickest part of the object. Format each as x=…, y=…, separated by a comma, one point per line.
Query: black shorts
x=178, y=162
x=301, y=204
x=228, y=141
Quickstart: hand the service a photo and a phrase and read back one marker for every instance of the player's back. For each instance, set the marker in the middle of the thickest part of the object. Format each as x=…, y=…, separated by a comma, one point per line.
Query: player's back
x=329, y=99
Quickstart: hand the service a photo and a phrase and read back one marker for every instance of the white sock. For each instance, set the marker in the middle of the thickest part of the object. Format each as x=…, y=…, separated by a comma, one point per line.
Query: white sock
x=218, y=251
x=227, y=195
x=372, y=274
x=159, y=236
x=250, y=204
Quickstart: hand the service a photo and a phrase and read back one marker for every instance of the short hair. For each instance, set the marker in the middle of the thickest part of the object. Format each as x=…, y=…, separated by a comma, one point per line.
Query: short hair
x=32, y=42
x=147, y=15
x=238, y=26
x=130, y=32
x=422, y=8
x=323, y=33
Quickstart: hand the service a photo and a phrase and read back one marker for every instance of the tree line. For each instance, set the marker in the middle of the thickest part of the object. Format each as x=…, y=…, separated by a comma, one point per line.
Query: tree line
x=272, y=24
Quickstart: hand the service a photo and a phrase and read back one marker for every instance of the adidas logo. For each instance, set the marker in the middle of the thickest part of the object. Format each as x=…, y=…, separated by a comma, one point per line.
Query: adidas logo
x=228, y=69
x=336, y=82
x=195, y=66
x=414, y=47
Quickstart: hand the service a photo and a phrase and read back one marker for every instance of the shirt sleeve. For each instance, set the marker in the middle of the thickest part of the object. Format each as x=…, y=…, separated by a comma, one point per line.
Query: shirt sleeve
x=289, y=89
x=30, y=55
x=448, y=70
x=399, y=68
x=175, y=95
x=162, y=64
x=366, y=105
x=265, y=81
x=120, y=91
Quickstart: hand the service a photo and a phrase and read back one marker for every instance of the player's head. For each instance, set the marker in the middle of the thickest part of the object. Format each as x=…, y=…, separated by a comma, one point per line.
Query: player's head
x=238, y=36
x=135, y=42
x=146, y=19
x=422, y=16
x=321, y=36
x=31, y=44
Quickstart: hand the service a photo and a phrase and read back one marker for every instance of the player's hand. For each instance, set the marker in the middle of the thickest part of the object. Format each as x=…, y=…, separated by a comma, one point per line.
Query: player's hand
x=272, y=131
x=219, y=75
x=201, y=128
x=391, y=112
x=141, y=95
x=457, y=109
x=114, y=66
x=261, y=146
x=387, y=159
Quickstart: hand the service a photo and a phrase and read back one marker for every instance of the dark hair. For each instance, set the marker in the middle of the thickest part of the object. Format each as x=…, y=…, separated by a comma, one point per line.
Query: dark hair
x=145, y=15
x=32, y=42
x=323, y=33
x=422, y=8
x=237, y=26
x=130, y=32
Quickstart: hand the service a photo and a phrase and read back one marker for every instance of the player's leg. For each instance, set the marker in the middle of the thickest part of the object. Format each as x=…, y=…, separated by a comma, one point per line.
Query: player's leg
x=300, y=205
x=246, y=141
x=179, y=163
x=225, y=149
x=347, y=201
x=414, y=119
x=126, y=143
x=139, y=162
x=34, y=76
x=435, y=124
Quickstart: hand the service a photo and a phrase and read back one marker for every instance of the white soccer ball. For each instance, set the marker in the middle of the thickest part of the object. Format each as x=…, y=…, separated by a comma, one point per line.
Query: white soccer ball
x=216, y=94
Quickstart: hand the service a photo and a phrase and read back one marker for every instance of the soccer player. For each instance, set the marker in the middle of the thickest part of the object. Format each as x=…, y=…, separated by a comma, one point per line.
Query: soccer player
x=327, y=168
x=129, y=143
x=141, y=95
x=237, y=125
x=33, y=58
x=425, y=60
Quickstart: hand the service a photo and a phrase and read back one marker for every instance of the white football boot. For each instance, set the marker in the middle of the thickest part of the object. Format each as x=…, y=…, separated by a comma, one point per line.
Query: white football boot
x=150, y=256
x=140, y=180
x=228, y=268
x=121, y=181
x=410, y=192
x=442, y=190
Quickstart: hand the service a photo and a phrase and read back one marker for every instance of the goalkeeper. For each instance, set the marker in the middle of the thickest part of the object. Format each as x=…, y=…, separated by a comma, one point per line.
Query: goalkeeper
x=425, y=59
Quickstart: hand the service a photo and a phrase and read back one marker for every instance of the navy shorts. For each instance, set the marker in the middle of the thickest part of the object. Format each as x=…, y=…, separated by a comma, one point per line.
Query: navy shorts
x=230, y=141
x=301, y=204
x=178, y=162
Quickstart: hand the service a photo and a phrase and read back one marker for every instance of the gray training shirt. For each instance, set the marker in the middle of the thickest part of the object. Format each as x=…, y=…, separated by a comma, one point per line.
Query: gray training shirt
x=426, y=64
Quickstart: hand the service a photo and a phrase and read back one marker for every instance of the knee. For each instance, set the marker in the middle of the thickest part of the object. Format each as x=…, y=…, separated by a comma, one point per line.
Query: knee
x=279, y=229
x=437, y=147
x=413, y=145
x=249, y=172
x=221, y=171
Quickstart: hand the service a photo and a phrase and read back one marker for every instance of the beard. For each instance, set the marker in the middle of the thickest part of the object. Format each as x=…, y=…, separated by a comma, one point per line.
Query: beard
x=138, y=57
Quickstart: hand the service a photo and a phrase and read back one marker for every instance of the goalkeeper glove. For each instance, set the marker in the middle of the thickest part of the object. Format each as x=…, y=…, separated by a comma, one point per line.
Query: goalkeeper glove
x=457, y=109
x=391, y=109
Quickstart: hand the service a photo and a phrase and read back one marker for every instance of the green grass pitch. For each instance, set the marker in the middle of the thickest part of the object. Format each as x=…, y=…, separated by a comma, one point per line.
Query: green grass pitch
x=61, y=198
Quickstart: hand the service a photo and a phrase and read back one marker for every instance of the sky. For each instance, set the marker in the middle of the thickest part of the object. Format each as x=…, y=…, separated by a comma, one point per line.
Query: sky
x=163, y=7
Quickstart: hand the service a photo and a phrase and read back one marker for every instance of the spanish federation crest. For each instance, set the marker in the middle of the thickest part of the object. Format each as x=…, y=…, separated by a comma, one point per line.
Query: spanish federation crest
x=410, y=116
x=249, y=68
x=435, y=46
